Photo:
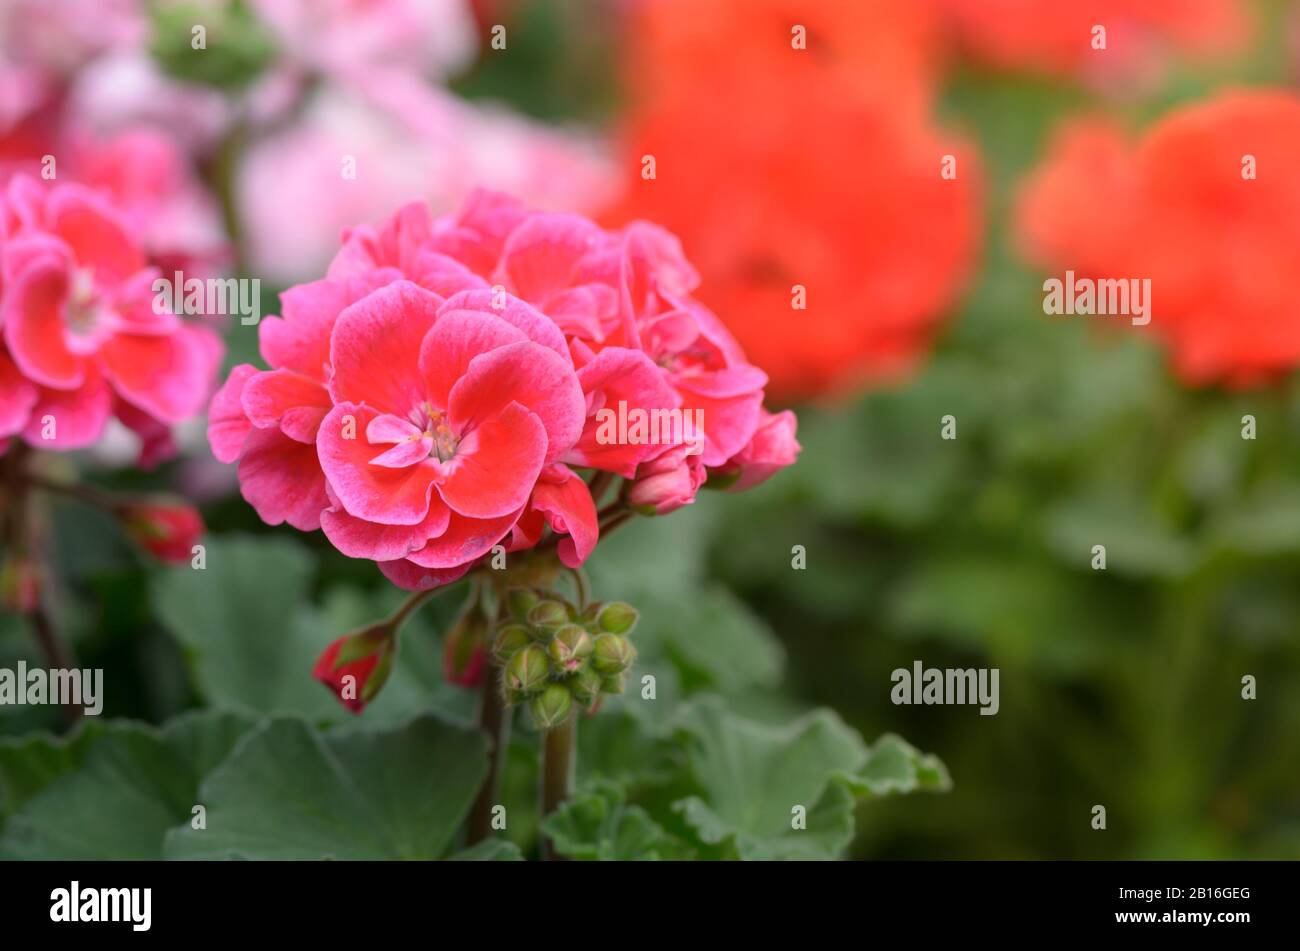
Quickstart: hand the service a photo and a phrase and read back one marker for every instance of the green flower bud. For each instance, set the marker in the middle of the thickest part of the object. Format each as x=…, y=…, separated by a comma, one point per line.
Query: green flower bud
x=510, y=638
x=613, y=683
x=569, y=649
x=617, y=617
x=237, y=48
x=527, y=670
x=548, y=616
x=521, y=601
x=613, y=654
x=585, y=687
x=551, y=707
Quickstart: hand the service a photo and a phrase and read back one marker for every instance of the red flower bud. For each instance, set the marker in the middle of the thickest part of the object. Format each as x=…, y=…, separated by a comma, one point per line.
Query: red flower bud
x=166, y=529
x=356, y=666
x=464, y=660
x=667, y=482
x=464, y=653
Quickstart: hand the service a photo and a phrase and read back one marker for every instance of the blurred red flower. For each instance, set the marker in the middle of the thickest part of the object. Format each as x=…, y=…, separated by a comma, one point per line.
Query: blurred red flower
x=1056, y=36
x=781, y=166
x=1205, y=204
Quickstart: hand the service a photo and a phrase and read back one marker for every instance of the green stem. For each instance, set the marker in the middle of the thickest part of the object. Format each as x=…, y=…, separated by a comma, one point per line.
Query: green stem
x=494, y=720
x=80, y=491
x=600, y=483
x=408, y=607
x=581, y=584
x=558, y=764
x=24, y=535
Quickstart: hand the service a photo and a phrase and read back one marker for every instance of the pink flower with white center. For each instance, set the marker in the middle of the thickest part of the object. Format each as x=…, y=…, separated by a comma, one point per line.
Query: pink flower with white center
x=622, y=300
x=81, y=333
x=443, y=418
x=438, y=392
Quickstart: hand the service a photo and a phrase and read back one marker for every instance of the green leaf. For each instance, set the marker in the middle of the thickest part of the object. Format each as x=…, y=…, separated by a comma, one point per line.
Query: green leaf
x=757, y=783
x=717, y=641
x=1137, y=544
x=255, y=652
x=238, y=619
x=489, y=850
x=133, y=784
x=895, y=766
x=753, y=780
x=290, y=792
x=597, y=824
x=28, y=764
x=620, y=746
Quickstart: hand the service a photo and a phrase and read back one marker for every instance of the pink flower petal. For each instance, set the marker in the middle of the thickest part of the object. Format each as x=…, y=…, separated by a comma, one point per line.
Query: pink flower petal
x=98, y=237
x=566, y=501
x=375, y=493
x=156, y=441
x=463, y=541
x=391, y=429
x=375, y=348
x=444, y=275
x=168, y=377
x=228, y=424
x=537, y=326
x=300, y=339
x=412, y=577
x=283, y=398
x=728, y=423
x=457, y=338
x=496, y=464
x=395, y=243
x=25, y=249
x=358, y=538
x=406, y=453
x=540, y=254
x=34, y=330
x=772, y=448
x=71, y=418
x=619, y=375
x=282, y=479
x=17, y=397
x=492, y=216
x=538, y=379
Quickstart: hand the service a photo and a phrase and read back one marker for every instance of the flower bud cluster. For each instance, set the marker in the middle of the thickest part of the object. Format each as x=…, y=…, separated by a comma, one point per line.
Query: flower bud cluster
x=556, y=658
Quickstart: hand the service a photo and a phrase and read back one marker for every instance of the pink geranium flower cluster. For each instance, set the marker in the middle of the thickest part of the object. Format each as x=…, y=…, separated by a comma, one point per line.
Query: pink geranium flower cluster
x=82, y=339
x=433, y=395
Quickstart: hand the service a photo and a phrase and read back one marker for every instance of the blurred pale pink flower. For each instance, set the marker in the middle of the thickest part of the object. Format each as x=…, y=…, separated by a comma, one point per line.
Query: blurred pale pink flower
x=406, y=139
x=127, y=88
x=59, y=36
x=151, y=181
x=344, y=37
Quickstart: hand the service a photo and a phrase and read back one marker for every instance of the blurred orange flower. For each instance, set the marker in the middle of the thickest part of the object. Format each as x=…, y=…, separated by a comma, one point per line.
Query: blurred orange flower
x=781, y=166
x=1206, y=204
x=1056, y=36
